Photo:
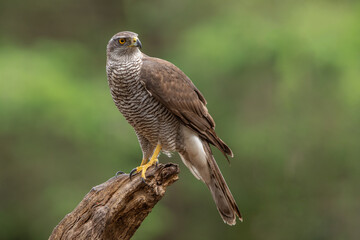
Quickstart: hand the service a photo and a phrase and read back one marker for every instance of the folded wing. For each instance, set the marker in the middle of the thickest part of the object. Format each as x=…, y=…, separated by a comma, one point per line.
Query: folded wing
x=170, y=86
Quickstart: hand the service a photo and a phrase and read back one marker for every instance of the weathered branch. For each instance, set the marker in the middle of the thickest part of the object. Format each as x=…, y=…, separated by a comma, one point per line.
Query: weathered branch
x=116, y=208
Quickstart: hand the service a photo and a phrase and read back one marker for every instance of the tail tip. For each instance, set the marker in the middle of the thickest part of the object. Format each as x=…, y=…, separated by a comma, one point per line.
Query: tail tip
x=232, y=221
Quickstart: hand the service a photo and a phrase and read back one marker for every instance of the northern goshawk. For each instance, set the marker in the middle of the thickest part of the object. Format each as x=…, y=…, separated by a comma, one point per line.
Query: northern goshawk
x=168, y=114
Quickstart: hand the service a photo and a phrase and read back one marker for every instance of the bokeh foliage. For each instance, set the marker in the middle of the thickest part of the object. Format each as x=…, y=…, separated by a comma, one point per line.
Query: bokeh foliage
x=282, y=80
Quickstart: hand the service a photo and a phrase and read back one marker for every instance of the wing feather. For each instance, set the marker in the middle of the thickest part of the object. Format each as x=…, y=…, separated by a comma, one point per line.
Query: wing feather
x=170, y=86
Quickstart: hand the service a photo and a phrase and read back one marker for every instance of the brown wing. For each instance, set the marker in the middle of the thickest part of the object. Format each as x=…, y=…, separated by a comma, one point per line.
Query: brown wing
x=170, y=86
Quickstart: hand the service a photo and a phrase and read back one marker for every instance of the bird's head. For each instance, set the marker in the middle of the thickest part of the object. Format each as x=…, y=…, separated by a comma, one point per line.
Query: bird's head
x=123, y=44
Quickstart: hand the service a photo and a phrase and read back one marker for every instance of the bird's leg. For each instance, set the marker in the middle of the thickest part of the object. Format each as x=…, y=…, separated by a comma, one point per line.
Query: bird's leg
x=143, y=161
x=144, y=166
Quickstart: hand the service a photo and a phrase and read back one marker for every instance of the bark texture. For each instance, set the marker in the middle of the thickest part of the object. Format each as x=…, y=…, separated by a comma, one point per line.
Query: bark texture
x=116, y=208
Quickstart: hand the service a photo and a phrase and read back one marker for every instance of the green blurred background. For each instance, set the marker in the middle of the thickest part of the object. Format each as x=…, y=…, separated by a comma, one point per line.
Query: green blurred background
x=282, y=80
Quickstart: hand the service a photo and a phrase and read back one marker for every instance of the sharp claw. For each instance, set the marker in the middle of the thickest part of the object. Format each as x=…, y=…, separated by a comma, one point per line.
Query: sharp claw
x=119, y=173
x=132, y=172
x=143, y=167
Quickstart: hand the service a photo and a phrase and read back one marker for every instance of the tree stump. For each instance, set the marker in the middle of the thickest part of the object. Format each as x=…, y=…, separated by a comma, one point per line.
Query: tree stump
x=116, y=208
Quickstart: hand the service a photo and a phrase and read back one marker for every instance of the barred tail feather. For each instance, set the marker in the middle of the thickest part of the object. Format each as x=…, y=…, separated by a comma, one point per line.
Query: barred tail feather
x=199, y=159
x=221, y=194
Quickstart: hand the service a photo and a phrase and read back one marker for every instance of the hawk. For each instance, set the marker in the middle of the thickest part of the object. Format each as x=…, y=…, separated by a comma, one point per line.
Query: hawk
x=168, y=114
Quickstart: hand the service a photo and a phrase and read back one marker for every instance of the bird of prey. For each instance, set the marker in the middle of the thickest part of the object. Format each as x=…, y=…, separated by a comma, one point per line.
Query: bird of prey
x=168, y=114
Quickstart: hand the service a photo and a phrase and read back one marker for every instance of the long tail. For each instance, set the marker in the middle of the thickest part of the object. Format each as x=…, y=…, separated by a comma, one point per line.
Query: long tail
x=220, y=192
x=199, y=159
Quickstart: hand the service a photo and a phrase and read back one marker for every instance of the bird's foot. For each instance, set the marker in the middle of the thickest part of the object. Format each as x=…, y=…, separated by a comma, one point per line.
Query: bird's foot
x=143, y=168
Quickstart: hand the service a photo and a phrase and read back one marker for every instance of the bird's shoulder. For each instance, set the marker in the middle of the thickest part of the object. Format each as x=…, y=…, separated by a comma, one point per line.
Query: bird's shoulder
x=167, y=83
x=162, y=75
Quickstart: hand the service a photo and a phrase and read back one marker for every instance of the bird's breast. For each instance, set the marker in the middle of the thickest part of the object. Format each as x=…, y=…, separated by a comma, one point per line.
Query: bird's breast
x=146, y=114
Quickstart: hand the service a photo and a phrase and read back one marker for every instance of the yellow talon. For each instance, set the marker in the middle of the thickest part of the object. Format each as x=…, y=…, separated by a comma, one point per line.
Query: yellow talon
x=144, y=166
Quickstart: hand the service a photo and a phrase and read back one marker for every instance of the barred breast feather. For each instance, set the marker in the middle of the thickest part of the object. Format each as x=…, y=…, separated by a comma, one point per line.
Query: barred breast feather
x=147, y=115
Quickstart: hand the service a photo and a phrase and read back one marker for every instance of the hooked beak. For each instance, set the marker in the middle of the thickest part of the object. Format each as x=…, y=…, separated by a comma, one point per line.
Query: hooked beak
x=135, y=42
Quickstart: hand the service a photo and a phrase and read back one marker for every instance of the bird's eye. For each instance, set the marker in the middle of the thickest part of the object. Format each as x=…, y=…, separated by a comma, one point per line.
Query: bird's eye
x=122, y=41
